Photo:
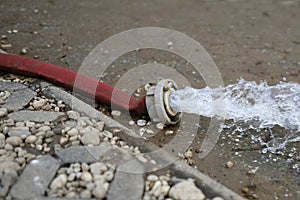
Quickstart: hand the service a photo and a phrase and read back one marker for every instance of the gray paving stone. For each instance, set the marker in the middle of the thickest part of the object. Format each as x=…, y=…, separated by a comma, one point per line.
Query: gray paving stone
x=35, y=116
x=19, y=99
x=35, y=178
x=7, y=177
x=91, y=154
x=11, y=86
x=127, y=185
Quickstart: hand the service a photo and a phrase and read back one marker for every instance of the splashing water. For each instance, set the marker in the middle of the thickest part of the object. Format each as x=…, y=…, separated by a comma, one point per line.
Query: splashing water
x=259, y=106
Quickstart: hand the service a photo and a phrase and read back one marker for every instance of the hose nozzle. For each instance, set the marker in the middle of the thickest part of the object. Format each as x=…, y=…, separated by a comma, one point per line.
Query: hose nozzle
x=157, y=102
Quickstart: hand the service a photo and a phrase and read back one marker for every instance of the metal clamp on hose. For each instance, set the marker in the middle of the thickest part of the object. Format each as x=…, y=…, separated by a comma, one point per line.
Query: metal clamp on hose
x=157, y=102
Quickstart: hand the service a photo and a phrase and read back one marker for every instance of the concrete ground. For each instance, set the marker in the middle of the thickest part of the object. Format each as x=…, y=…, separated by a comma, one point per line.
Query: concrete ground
x=257, y=40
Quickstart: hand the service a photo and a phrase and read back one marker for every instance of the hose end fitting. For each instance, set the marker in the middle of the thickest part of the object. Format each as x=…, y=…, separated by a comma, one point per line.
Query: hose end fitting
x=157, y=102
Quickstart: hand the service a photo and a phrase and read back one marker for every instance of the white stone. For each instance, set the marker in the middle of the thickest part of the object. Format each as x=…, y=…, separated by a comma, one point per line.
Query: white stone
x=30, y=124
x=217, y=198
x=73, y=132
x=3, y=112
x=141, y=122
x=14, y=141
x=149, y=131
x=116, y=113
x=165, y=189
x=45, y=128
x=90, y=186
x=131, y=123
x=37, y=104
x=88, y=129
x=169, y=132
x=59, y=182
x=156, y=189
x=71, y=195
x=109, y=175
x=90, y=138
x=99, y=192
x=100, y=126
x=31, y=139
x=85, y=167
x=24, y=51
x=152, y=177
x=142, y=158
x=71, y=177
x=98, y=168
x=63, y=140
x=85, y=194
x=86, y=176
x=107, y=134
x=73, y=114
x=159, y=126
x=186, y=190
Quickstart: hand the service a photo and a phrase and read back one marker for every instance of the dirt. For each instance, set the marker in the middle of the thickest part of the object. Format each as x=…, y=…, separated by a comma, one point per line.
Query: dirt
x=256, y=40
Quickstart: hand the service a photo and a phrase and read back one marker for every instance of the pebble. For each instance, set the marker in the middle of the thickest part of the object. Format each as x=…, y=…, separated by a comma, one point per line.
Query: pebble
x=100, y=126
x=18, y=131
x=141, y=122
x=86, y=176
x=85, y=194
x=142, y=158
x=44, y=128
x=14, y=141
x=5, y=46
x=152, y=177
x=29, y=124
x=39, y=147
x=90, y=186
x=31, y=139
x=109, y=175
x=73, y=132
x=98, y=168
x=217, y=198
x=229, y=164
x=71, y=195
x=2, y=141
x=116, y=113
x=149, y=131
x=99, y=192
x=37, y=104
x=24, y=51
x=245, y=190
x=156, y=189
x=85, y=167
x=107, y=134
x=8, y=147
x=131, y=123
x=73, y=114
x=63, y=141
x=59, y=182
x=186, y=190
x=90, y=138
x=3, y=112
x=159, y=126
x=169, y=132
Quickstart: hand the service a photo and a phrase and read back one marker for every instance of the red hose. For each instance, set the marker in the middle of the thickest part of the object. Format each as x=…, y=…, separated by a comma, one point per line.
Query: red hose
x=66, y=78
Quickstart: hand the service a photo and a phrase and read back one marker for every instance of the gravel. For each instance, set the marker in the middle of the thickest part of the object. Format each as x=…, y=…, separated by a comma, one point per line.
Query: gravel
x=81, y=180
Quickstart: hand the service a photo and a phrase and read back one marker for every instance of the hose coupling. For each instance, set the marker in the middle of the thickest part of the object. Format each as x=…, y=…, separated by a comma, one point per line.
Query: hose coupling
x=157, y=102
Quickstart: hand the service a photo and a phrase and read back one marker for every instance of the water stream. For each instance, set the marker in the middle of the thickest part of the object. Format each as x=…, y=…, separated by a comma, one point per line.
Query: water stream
x=249, y=106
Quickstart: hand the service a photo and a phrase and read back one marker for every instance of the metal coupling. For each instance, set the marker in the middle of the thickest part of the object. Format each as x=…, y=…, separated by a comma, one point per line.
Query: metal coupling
x=157, y=102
